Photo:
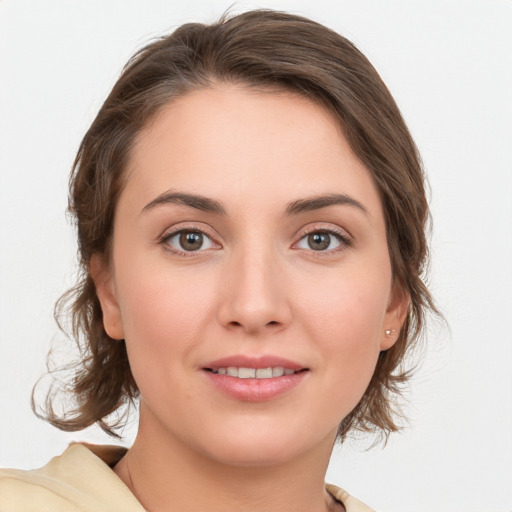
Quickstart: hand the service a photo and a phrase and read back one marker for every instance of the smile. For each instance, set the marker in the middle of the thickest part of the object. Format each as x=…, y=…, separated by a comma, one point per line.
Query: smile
x=254, y=378
x=253, y=373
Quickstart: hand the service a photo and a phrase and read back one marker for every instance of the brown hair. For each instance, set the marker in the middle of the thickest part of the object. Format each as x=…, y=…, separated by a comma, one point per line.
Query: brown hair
x=257, y=49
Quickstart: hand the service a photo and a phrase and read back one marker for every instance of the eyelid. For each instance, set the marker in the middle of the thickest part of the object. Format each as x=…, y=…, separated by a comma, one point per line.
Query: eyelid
x=341, y=234
x=184, y=227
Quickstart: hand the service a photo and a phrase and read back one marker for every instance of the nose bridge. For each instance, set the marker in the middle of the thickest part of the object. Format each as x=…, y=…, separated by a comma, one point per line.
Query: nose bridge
x=254, y=292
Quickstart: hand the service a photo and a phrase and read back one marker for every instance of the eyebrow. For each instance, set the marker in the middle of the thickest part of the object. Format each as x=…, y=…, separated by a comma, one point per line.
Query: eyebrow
x=322, y=201
x=198, y=202
x=209, y=205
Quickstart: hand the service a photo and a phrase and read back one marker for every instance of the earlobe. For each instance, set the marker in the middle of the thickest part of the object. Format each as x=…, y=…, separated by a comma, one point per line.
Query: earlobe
x=395, y=317
x=105, y=290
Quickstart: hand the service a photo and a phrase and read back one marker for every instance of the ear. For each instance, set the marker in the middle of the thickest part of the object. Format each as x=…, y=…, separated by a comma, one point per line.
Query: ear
x=396, y=314
x=105, y=290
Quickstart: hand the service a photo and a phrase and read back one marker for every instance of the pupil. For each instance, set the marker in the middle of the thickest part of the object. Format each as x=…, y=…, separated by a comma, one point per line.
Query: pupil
x=319, y=241
x=191, y=241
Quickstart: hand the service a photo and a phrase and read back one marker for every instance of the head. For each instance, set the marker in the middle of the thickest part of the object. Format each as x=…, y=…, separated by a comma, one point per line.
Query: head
x=261, y=53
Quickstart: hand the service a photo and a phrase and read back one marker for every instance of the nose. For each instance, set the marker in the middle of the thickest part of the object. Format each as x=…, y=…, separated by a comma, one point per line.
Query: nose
x=254, y=296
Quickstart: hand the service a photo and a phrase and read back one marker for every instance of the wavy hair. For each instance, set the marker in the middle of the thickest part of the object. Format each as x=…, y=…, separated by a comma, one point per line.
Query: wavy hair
x=258, y=49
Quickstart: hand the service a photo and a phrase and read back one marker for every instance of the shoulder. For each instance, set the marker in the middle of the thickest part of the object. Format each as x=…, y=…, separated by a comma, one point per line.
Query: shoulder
x=80, y=479
x=351, y=504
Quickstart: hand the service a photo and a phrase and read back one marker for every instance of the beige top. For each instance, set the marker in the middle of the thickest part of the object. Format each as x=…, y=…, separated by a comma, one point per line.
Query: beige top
x=82, y=480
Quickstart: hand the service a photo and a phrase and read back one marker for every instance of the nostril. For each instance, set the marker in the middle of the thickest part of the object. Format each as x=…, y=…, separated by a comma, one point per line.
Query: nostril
x=234, y=323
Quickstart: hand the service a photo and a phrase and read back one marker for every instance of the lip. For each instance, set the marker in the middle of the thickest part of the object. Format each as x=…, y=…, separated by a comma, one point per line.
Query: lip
x=254, y=390
x=254, y=362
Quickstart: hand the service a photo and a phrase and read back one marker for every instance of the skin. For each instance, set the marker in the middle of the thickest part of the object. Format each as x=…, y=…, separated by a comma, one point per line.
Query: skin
x=256, y=287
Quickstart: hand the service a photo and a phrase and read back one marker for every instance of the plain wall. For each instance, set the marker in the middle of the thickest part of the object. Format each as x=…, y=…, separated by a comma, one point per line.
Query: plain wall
x=448, y=64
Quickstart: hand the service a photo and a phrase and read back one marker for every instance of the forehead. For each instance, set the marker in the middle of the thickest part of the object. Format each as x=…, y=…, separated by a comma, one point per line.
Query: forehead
x=232, y=142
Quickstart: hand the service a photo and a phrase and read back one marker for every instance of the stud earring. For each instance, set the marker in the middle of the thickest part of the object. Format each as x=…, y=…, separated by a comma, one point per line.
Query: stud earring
x=390, y=332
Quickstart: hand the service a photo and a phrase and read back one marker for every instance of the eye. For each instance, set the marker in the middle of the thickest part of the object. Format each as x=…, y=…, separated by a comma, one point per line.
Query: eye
x=188, y=240
x=322, y=241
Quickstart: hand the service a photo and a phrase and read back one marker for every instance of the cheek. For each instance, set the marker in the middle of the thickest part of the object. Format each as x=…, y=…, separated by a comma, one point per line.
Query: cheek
x=351, y=312
x=347, y=324
x=161, y=320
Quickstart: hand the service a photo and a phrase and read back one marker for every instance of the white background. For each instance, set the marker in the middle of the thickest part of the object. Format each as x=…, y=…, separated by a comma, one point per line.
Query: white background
x=448, y=64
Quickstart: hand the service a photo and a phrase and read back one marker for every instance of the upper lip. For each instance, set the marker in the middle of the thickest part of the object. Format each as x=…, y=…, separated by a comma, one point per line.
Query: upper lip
x=266, y=361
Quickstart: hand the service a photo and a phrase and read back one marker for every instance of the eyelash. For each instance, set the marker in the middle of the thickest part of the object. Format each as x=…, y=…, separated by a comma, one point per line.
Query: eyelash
x=341, y=236
x=344, y=240
x=164, y=241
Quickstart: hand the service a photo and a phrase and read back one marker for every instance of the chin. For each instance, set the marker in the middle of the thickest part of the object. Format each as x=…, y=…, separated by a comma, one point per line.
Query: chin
x=259, y=448
x=254, y=455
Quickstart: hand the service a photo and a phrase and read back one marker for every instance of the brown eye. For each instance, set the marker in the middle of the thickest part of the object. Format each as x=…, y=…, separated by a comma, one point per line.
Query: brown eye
x=319, y=241
x=323, y=241
x=188, y=241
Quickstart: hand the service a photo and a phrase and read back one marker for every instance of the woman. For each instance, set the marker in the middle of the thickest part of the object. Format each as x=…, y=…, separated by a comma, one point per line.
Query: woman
x=251, y=222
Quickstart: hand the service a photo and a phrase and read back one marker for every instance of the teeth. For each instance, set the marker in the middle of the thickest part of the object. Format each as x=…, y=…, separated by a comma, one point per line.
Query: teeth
x=278, y=371
x=246, y=373
x=264, y=373
x=254, y=373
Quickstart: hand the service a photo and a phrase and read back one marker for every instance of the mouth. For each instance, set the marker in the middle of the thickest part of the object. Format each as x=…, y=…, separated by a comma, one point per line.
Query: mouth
x=241, y=372
x=255, y=379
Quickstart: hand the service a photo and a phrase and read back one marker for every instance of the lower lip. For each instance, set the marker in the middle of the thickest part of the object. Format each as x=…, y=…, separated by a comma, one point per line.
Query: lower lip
x=255, y=390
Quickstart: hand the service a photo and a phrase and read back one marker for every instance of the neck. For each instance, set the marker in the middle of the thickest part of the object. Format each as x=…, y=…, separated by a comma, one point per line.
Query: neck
x=165, y=474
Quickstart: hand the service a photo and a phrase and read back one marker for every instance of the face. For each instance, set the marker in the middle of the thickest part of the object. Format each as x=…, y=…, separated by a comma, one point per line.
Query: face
x=250, y=275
